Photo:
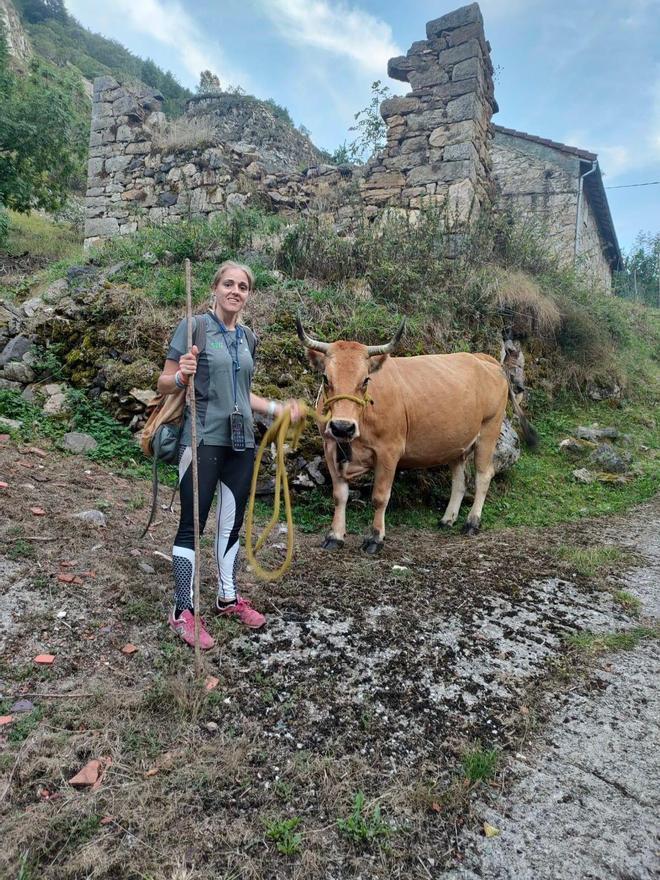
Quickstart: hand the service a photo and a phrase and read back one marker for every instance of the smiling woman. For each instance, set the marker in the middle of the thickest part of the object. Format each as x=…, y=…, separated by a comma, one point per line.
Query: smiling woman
x=221, y=368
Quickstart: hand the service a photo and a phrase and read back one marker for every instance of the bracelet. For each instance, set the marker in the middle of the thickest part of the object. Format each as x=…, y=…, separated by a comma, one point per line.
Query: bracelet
x=178, y=380
x=272, y=406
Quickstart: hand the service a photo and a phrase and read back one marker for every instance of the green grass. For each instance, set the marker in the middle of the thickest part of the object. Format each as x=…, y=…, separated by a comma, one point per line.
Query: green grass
x=480, y=764
x=596, y=643
x=42, y=237
x=627, y=601
x=364, y=826
x=283, y=833
x=590, y=561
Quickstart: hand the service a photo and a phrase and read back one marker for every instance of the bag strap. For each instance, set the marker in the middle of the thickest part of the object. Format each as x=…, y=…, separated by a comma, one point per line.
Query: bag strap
x=199, y=333
x=251, y=339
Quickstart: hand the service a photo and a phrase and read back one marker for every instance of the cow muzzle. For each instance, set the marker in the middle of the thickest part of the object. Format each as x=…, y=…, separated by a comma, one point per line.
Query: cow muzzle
x=343, y=429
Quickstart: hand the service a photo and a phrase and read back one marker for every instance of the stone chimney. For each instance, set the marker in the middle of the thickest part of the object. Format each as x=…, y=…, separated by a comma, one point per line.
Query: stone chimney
x=437, y=136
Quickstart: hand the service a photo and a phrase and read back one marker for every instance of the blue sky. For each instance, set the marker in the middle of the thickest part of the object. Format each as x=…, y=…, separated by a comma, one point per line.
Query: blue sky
x=585, y=72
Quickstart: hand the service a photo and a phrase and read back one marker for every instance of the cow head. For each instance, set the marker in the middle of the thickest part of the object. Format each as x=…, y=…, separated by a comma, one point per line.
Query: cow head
x=346, y=368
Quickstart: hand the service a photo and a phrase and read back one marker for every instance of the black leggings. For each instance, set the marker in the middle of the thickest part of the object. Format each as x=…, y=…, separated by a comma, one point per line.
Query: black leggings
x=219, y=467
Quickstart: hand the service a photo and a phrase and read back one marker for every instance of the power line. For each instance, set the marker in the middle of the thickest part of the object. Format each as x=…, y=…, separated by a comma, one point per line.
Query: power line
x=628, y=185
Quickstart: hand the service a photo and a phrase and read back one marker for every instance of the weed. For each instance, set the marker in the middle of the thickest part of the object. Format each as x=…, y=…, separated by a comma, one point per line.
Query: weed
x=363, y=827
x=283, y=833
x=596, y=643
x=590, y=561
x=24, y=725
x=283, y=790
x=480, y=764
x=137, y=502
x=21, y=550
x=627, y=601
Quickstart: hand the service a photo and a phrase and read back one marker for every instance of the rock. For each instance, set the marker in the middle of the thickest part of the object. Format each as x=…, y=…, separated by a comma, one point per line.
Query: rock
x=574, y=447
x=55, y=291
x=145, y=395
x=598, y=392
x=92, y=517
x=78, y=443
x=6, y=385
x=77, y=276
x=53, y=388
x=55, y=405
x=212, y=727
x=15, y=349
x=9, y=424
x=146, y=568
x=22, y=706
x=596, y=434
x=314, y=470
x=303, y=481
x=609, y=460
x=29, y=393
x=582, y=475
x=31, y=306
x=507, y=450
x=149, y=258
x=16, y=371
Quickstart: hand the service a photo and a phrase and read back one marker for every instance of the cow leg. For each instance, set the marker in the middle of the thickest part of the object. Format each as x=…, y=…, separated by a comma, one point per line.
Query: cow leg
x=457, y=492
x=334, y=540
x=484, y=471
x=380, y=497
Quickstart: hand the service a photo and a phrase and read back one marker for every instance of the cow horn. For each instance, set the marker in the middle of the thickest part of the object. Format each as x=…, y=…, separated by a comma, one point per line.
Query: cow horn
x=389, y=346
x=306, y=340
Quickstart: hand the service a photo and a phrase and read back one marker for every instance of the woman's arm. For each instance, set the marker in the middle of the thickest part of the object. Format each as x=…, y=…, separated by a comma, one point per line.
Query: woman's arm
x=274, y=408
x=181, y=371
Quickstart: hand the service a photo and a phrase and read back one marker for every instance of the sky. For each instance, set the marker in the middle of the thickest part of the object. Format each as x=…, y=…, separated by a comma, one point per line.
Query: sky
x=583, y=72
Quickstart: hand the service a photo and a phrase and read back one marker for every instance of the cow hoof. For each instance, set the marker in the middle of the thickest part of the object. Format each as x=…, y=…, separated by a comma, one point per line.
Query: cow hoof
x=444, y=525
x=332, y=543
x=371, y=546
x=470, y=529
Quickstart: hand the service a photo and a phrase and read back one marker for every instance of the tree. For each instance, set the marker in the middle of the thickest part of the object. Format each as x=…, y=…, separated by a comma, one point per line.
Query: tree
x=209, y=83
x=370, y=126
x=41, y=10
x=640, y=277
x=40, y=147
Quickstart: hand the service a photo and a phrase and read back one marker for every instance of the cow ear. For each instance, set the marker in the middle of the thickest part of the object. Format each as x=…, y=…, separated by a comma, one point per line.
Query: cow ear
x=376, y=362
x=316, y=359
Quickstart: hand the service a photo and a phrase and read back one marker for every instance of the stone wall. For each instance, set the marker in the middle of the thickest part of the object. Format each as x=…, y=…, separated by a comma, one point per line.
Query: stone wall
x=143, y=169
x=542, y=182
x=535, y=184
x=437, y=136
x=589, y=251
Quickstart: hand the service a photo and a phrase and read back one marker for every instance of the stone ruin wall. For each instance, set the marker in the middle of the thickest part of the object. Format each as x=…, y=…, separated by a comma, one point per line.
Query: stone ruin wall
x=140, y=173
x=231, y=150
x=437, y=148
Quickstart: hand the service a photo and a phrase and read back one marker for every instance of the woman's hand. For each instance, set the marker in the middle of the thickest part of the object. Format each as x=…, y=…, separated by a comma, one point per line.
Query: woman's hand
x=294, y=409
x=188, y=364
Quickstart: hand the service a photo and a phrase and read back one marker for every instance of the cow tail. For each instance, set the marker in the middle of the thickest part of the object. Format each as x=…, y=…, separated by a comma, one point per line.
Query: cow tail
x=530, y=433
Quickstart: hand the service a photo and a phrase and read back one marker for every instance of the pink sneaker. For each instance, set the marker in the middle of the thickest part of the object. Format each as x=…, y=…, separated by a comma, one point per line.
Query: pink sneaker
x=243, y=609
x=185, y=627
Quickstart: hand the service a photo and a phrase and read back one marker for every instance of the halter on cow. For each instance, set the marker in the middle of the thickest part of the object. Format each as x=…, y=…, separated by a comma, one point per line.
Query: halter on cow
x=418, y=412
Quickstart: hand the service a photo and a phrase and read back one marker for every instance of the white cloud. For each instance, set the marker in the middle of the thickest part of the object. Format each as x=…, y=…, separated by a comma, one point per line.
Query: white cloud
x=167, y=22
x=336, y=28
x=615, y=159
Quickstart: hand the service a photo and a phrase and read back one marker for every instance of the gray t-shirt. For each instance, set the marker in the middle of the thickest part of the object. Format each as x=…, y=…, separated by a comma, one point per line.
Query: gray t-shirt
x=214, y=384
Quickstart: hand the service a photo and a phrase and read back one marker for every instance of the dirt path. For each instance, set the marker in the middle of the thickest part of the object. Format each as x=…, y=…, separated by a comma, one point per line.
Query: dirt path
x=373, y=675
x=584, y=800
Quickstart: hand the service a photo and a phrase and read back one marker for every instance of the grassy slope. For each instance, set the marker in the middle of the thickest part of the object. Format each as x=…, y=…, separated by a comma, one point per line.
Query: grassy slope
x=540, y=490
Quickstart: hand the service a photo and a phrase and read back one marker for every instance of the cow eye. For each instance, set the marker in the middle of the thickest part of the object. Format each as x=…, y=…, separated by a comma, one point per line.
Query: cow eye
x=366, y=382
x=326, y=381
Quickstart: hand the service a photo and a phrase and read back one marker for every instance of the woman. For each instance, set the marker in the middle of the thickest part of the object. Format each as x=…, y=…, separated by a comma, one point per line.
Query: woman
x=225, y=437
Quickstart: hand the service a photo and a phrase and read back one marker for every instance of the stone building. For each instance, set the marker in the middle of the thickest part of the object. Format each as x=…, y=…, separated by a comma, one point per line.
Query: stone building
x=442, y=149
x=561, y=187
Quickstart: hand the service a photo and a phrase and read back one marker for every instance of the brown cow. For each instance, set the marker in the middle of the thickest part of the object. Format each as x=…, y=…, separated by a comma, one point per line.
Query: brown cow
x=383, y=413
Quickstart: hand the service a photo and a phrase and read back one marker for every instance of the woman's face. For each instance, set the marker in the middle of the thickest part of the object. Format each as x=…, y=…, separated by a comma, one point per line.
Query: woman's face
x=232, y=291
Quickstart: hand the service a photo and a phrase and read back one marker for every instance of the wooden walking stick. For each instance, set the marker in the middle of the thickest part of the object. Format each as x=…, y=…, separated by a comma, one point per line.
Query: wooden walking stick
x=192, y=403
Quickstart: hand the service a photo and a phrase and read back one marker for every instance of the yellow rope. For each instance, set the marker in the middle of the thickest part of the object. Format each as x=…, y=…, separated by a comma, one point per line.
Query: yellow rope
x=277, y=433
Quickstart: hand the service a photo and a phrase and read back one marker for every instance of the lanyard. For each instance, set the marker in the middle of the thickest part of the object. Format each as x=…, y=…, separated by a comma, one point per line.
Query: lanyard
x=233, y=354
